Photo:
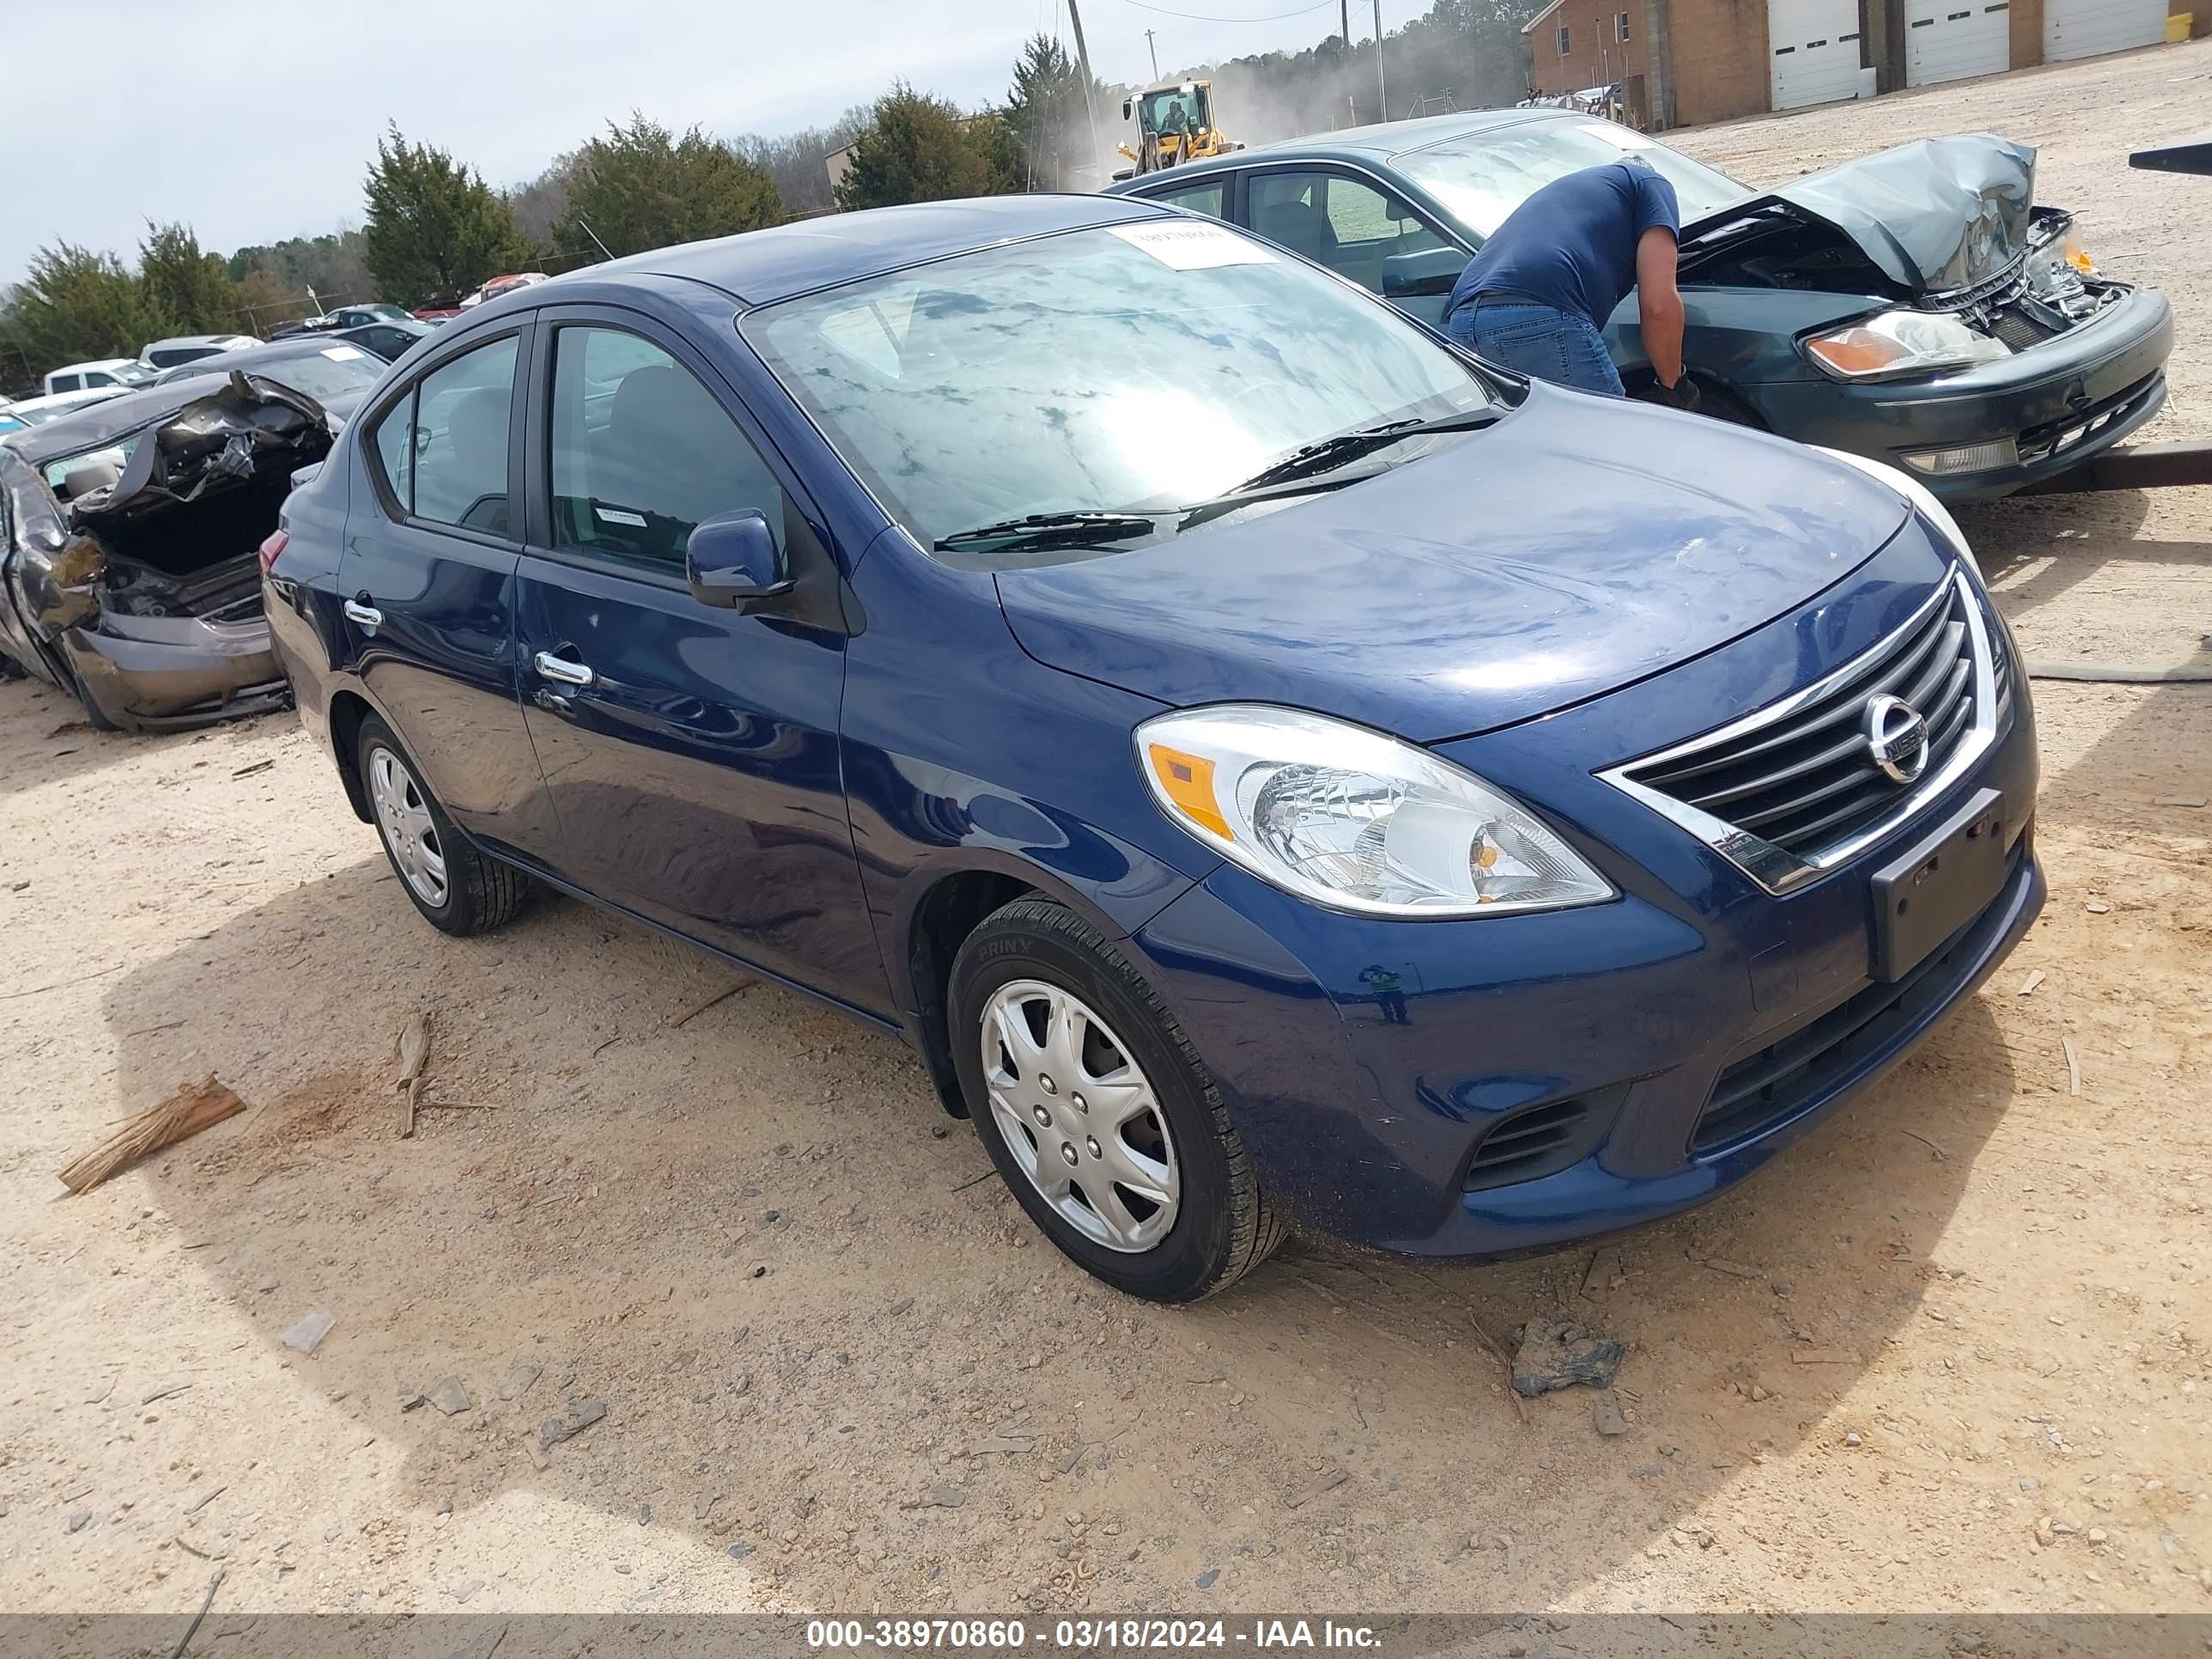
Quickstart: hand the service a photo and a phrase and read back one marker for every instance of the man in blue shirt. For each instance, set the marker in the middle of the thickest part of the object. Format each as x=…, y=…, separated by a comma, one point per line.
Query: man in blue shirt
x=1540, y=292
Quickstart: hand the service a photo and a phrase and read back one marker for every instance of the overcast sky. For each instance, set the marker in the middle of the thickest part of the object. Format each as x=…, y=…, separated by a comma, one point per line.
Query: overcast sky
x=252, y=121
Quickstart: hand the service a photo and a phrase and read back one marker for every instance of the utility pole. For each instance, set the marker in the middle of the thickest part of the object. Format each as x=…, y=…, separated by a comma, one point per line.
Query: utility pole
x=1382, y=86
x=1089, y=109
x=1344, y=21
x=1155, y=51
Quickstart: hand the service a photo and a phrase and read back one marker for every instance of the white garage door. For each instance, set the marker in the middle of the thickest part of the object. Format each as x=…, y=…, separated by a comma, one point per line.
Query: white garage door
x=1816, y=44
x=2082, y=28
x=1950, y=40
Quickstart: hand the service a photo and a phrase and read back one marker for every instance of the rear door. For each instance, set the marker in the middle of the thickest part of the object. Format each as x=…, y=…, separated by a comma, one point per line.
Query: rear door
x=691, y=752
x=427, y=577
x=1360, y=228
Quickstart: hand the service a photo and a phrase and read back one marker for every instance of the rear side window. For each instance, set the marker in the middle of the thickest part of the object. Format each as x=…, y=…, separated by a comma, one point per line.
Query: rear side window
x=642, y=453
x=1205, y=198
x=65, y=383
x=443, y=450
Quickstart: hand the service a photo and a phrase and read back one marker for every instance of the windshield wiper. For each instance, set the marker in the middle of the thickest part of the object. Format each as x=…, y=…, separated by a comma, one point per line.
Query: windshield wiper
x=1072, y=529
x=1346, y=447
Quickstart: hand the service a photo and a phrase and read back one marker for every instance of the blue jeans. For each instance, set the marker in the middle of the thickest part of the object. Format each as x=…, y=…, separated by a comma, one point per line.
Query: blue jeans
x=1540, y=342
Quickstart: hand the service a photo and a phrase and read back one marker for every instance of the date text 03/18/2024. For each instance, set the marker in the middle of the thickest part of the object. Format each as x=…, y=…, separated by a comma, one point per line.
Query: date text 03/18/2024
x=1093, y=1634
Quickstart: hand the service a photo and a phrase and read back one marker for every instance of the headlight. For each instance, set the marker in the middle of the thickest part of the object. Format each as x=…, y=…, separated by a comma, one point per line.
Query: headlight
x=1355, y=820
x=1902, y=342
x=1914, y=491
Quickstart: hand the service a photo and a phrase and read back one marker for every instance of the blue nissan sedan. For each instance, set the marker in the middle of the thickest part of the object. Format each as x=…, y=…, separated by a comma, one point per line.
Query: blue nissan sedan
x=1276, y=771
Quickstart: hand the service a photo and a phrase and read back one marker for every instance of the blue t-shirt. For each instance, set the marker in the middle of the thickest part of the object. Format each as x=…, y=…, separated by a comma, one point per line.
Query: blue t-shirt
x=1572, y=244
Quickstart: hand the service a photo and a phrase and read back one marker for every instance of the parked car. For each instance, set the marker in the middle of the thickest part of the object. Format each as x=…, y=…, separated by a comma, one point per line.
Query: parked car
x=376, y=311
x=1270, y=767
x=119, y=372
x=336, y=372
x=37, y=411
x=128, y=539
x=441, y=309
x=499, y=285
x=1915, y=306
x=192, y=348
x=387, y=339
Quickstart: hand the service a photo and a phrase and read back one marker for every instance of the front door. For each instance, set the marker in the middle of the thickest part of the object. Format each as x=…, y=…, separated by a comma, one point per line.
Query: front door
x=1359, y=230
x=691, y=752
x=427, y=575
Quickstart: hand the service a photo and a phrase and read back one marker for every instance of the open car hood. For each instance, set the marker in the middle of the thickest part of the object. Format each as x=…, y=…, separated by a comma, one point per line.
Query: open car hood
x=1934, y=216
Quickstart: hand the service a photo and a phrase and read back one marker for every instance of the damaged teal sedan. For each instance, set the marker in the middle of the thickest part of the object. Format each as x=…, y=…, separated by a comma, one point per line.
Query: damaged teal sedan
x=1915, y=307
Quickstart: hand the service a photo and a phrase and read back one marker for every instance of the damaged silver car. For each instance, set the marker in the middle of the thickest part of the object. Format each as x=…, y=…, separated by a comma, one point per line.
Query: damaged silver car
x=130, y=536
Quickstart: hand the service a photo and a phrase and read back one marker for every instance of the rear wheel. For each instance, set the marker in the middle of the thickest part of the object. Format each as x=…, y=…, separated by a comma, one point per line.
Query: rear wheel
x=458, y=889
x=1098, y=1113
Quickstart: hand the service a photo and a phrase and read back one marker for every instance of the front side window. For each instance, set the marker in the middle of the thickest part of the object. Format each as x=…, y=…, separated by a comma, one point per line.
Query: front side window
x=1484, y=176
x=1210, y=199
x=1132, y=366
x=642, y=453
x=100, y=377
x=1337, y=221
x=443, y=450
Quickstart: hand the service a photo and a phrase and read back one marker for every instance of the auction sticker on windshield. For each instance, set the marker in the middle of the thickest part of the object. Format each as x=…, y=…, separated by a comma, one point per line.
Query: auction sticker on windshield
x=1193, y=247
x=342, y=354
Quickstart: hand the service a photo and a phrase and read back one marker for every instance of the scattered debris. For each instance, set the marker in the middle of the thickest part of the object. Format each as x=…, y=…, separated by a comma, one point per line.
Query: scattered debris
x=257, y=766
x=2073, y=1065
x=1604, y=1413
x=582, y=1414
x=994, y=1443
x=690, y=1014
x=1329, y=1482
x=205, y=1499
x=1733, y=1269
x=2178, y=800
x=193, y=1629
x=175, y=1386
x=942, y=1496
x=1935, y=1152
x=462, y=1588
x=901, y=1306
x=2098, y=908
x=1604, y=1269
x=517, y=1381
x=451, y=1397
x=1206, y=1579
x=1559, y=1354
x=309, y=1332
x=195, y=1107
x=1823, y=1357
x=2033, y=980
x=414, y=1055
x=100, y=1391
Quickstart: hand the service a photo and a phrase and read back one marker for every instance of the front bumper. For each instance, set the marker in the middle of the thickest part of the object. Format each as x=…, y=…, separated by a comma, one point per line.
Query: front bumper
x=1367, y=1063
x=2056, y=404
x=169, y=673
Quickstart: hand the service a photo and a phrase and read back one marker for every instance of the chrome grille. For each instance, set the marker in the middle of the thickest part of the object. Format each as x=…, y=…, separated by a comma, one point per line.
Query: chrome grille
x=1796, y=787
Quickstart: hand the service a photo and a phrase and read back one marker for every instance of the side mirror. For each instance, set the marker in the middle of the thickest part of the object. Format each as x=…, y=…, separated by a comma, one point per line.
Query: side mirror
x=1416, y=276
x=733, y=563
x=1124, y=109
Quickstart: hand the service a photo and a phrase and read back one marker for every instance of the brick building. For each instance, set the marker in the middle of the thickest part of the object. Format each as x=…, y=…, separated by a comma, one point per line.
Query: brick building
x=1682, y=63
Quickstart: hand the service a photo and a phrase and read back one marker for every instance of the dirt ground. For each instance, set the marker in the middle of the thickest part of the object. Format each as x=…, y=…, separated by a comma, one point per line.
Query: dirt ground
x=840, y=1372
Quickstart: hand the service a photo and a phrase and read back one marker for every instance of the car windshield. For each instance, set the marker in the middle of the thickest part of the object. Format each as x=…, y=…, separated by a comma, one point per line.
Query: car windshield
x=1483, y=177
x=1136, y=367
x=132, y=373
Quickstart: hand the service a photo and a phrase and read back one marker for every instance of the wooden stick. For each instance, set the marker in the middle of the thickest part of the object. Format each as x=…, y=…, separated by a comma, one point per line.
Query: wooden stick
x=2073, y=1065
x=685, y=1018
x=193, y=1629
x=195, y=1107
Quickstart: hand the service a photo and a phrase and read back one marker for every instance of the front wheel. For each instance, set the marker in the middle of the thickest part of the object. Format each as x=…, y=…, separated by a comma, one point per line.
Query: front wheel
x=1098, y=1112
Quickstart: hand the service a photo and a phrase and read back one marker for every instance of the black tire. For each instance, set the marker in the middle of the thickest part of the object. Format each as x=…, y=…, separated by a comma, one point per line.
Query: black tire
x=1223, y=1227
x=480, y=892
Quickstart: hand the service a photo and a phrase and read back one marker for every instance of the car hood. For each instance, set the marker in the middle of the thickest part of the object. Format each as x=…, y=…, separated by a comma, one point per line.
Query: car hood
x=1936, y=214
x=1577, y=546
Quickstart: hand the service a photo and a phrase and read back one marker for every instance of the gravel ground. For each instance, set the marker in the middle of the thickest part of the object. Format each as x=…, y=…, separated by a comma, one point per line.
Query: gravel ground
x=840, y=1372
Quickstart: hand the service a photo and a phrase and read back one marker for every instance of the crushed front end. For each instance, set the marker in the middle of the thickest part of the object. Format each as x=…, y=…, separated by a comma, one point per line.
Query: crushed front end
x=133, y=571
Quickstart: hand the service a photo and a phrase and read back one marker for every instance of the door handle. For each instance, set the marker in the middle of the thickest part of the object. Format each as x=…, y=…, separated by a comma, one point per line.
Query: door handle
x=564, y=669
x=366, y=615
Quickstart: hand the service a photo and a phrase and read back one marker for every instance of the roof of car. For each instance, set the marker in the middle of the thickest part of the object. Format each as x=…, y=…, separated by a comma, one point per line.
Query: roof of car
x=201, y=340
x=761, y=266
x=1368, y=144
x=104, y=422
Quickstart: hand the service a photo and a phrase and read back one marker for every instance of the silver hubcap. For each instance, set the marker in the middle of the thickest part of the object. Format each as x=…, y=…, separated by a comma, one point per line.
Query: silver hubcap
x=403, y=817
x=1079, y=1116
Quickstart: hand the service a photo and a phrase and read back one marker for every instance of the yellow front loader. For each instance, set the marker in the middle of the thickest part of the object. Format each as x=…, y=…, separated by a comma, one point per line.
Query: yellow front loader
x=1175, y=124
